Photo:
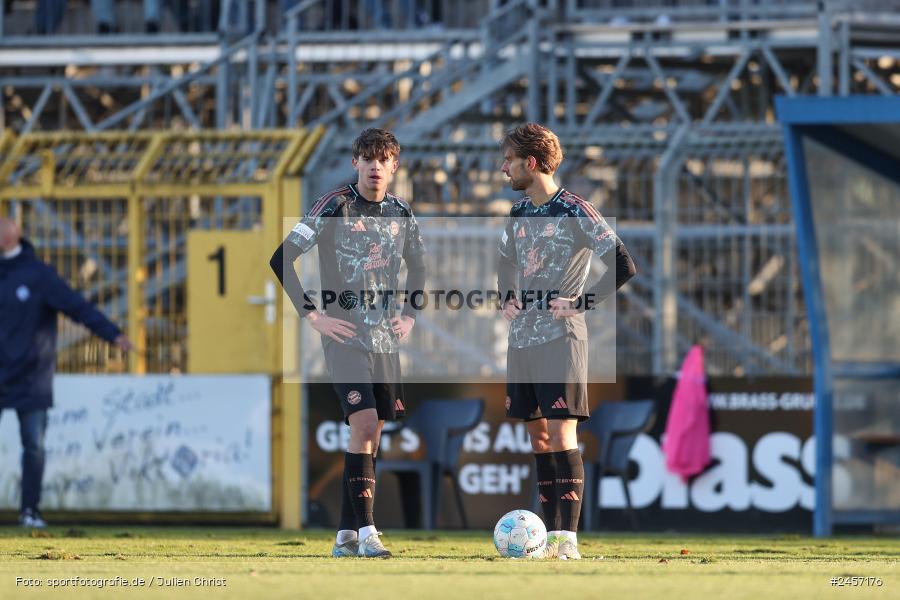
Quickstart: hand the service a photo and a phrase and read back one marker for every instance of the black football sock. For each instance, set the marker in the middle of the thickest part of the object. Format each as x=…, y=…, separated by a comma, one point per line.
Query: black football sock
x=360, y=472
x=569, y=487
x=374, y=478
x=546, y=484
x=348, y=517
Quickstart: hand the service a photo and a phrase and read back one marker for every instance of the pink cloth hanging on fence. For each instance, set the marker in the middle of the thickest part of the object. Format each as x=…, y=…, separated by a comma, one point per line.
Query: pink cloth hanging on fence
x=686, y=445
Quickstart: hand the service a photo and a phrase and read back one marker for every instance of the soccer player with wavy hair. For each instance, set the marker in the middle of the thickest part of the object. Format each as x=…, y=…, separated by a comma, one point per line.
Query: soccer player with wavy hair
x=544, y=259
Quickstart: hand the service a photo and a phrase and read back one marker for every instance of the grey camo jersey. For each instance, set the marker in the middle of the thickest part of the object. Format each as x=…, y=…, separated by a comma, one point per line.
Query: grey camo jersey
x=361, y=244
x=546, y=249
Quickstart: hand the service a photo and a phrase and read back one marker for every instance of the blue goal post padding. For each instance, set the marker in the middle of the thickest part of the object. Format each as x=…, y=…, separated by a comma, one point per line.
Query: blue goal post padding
x=826, y=119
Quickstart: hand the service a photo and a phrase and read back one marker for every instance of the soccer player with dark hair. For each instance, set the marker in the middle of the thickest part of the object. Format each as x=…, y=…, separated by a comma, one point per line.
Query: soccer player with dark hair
x=362, y=233
x=545, y=252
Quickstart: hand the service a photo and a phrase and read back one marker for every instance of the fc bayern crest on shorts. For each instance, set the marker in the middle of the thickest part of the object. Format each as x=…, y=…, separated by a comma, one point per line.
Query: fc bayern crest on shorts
x=354, y=397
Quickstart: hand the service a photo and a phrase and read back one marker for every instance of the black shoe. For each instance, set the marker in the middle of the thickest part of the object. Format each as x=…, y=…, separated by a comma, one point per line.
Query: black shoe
x=104, y=28
x=152, y=27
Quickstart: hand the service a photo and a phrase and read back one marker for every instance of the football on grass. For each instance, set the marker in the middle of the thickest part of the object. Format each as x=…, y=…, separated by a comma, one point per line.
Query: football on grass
x=520, y=534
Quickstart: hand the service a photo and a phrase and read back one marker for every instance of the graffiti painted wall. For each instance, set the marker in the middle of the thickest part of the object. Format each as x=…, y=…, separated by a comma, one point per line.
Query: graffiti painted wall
x=152, y=443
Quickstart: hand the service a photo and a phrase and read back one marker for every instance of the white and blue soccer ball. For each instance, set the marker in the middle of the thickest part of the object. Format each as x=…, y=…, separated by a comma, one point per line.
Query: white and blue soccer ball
x=520, y=534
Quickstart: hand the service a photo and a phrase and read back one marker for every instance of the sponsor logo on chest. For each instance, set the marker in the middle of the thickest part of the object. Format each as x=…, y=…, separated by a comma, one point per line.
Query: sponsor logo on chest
x=375, y=259
x=533, y=263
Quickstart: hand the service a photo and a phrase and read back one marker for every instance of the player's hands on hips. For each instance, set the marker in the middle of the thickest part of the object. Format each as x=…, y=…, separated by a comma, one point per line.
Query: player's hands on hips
x=402, y=326
x=511, y=309
x=562, y=308
x=124, y=343
x=336, y=329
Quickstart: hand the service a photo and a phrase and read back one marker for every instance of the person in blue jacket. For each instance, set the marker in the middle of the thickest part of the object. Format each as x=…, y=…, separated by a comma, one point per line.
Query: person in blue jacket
x=31, y=295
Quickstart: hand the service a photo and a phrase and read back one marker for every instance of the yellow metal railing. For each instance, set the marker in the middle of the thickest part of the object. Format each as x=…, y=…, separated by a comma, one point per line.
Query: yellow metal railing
x=112, y=211
x=63, y=185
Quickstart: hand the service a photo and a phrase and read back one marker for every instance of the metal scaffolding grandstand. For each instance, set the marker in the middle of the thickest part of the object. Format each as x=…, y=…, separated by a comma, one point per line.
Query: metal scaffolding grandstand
x=664, y=108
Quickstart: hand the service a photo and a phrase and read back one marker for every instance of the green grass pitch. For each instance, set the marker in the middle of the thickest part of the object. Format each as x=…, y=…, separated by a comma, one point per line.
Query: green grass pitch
x=267, y=563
